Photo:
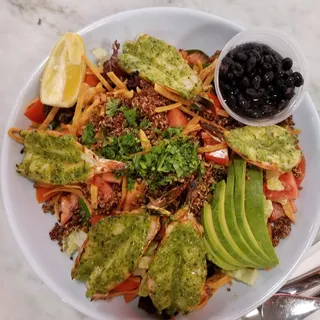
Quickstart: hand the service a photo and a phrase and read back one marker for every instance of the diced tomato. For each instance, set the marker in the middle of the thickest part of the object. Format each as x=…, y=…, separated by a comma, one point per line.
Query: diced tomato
x=177, y=118
x=111, y=178
x=128, y=297
x=128, y=285
x=104, y=188
x=302, y=170
x=220, y=157
x=40, y=194
x=95, y=219
x=35, y=111
x=290, y=191
x=215, y=100
x=277, y=212
x=134, y=196
x=91, y=80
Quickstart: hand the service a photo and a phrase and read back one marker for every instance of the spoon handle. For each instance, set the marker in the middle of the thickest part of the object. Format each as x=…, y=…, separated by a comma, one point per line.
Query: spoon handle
x=307, y=284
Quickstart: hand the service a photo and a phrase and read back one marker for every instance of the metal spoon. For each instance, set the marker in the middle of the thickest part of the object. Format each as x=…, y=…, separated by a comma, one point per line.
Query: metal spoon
x=285, y=306
x=307, y=284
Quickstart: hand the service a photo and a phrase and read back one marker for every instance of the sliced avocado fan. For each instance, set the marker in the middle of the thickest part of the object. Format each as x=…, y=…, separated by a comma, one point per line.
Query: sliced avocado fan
x=236, y=235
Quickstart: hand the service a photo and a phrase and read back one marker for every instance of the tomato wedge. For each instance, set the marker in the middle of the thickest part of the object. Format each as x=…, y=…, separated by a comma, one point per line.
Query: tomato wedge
x=177, y=118
x=220, y=157
x=95, y=219
x=128, y=297
x=35, y=111
x=91, y=80
x=302, y=171
x=40, y=194
x=215, y=100
x=290, y=191
x=127, y=285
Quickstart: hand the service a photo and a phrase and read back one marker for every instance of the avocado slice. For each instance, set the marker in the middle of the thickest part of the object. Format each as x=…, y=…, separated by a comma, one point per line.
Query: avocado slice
x=242, y=221
x=223, y=233
x=231, y=230
x=216, y=259
x=210, y=229
x=254, y=205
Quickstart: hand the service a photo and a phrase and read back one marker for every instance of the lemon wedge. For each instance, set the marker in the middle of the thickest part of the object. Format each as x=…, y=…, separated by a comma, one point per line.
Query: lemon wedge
x=64, y=72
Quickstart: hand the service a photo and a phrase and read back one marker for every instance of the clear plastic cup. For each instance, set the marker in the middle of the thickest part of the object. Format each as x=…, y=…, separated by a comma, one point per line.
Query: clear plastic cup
x=286, y=47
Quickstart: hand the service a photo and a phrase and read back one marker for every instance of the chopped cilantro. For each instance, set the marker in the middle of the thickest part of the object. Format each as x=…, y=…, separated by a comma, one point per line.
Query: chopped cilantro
x=171, y=132
x=166, y=163
x=130, y=115
x=119, y=148
x=112, y=106
x=88, y=135
x=84, y=211
x=145, y=124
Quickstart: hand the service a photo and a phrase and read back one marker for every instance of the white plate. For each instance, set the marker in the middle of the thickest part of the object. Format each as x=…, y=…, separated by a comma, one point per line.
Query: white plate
x=184, y=29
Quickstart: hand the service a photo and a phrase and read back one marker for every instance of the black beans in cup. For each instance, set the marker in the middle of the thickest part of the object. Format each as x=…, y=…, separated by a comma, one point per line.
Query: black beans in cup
x=256, y=81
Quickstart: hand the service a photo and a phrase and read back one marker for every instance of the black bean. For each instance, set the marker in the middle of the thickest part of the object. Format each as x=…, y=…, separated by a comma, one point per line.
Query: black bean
x=245, y=82
x=226, y=64
x=242, y=101
x=252, y=74
x=224, y=86
x=251, y=64
x=261, y=92
x=282, y=104
x=231, y=101
x=255, y=53
x=237, y=70
x=241, y=57
x=267, y=109
x=268, y=77
x=281, y=85
x=270, y=88
x=277, y=67
x=256, y=82
x=268, y=59
x=279, y=74
x=290, y=81
x=286, y=64
x=289, y=93
x=252, y=93
x=230, y=76
x=298, y=79
x=267, y=66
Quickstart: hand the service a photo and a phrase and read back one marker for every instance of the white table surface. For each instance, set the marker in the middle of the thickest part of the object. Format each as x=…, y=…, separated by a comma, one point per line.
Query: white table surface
x=28, y=30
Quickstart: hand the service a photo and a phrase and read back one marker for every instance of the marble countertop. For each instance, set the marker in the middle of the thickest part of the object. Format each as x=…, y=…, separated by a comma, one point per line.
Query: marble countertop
x=28, y=29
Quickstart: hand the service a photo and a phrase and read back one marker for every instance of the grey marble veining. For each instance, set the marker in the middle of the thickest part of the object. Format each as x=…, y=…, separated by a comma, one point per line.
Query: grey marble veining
x=28, y=30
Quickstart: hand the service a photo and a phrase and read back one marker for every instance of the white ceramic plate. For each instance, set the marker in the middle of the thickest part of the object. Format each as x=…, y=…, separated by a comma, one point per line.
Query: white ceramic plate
x=184, y=29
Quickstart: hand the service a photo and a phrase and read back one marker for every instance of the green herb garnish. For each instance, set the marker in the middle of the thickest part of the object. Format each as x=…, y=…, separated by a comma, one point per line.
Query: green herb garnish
x=145, y=124
x=119, y=148
x=88, y=135
x=112, y=106
x=84, y=211
x=130, y=115
x=166, y=163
